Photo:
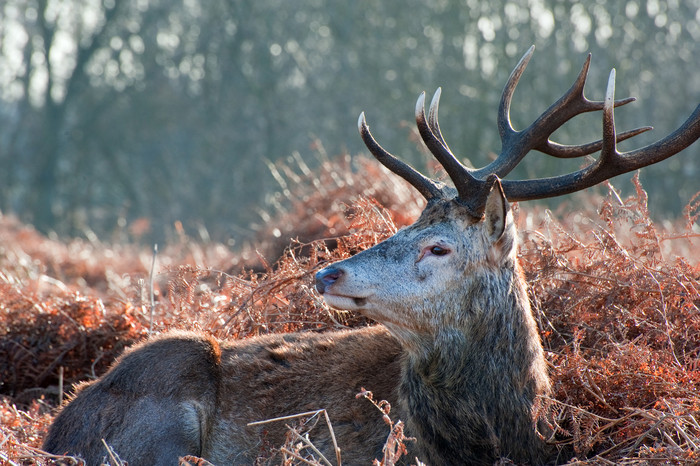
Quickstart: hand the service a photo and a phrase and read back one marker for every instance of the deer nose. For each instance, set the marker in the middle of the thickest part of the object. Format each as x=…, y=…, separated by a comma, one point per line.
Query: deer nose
x=326, y=277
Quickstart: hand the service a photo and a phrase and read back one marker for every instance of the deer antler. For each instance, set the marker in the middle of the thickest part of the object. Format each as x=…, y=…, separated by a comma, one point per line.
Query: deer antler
x=611, y=162
x=430, y=189
x=473, y=184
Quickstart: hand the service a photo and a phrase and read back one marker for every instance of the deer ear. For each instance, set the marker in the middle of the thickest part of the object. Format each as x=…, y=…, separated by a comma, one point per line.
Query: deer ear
x=497, y=212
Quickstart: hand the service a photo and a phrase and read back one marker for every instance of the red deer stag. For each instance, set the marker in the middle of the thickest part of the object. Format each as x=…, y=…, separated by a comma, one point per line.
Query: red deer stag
x=457, y=354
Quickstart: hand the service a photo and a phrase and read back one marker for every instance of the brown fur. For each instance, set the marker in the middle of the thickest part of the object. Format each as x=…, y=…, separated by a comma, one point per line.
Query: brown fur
x=171, y=396
x=458, y=357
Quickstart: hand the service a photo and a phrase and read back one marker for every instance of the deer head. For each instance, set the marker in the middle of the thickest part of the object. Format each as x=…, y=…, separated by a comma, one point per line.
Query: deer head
x=408, y=281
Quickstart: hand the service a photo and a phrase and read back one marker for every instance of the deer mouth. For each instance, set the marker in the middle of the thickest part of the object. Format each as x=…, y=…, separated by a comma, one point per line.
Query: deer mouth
x=342, y=302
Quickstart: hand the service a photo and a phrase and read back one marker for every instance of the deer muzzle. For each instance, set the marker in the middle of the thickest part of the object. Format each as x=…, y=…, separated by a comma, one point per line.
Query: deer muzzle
x=327, y=277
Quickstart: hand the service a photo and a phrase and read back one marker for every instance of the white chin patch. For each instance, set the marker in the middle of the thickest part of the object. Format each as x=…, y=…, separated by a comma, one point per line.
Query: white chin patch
x=345, y=303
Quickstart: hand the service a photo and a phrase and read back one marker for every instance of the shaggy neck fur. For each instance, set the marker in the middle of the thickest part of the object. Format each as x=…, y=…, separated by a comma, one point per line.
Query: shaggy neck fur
x=470, y=391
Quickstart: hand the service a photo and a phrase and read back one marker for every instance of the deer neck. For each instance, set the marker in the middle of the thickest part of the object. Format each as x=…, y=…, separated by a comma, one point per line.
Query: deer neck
x=469, y=389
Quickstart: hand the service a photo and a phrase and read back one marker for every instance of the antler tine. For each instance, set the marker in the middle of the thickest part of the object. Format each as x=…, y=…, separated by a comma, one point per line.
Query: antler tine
x=611, y=162
x=505, y=127
x=562, y=151
x=472, y=192
x=516, y=144
x=467, y=185
x=609, y=153
x=433, y=117
x=427, y=187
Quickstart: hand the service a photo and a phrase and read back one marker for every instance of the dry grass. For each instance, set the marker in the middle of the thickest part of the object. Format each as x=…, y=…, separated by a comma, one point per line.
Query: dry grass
x=618, y=302
x=617, y=299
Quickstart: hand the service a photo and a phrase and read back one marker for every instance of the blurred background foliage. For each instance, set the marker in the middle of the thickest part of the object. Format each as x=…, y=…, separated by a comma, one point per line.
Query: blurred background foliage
x=122, y=116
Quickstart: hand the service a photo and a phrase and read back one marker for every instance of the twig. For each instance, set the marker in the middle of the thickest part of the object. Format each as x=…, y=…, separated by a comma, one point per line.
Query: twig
x=577, y=408
x=335, y=443
x=94, y=363
x=284, y=418
x=269, y=287
x=305, y=414
x=596, y=391
x=39, y=453
x=309, y=443
x=297, y=456
x=113, y=455
x=60, y=385
x=646, y=433
x=664, y=314
x=679, y=429
x=6, y=460
x=152, y=293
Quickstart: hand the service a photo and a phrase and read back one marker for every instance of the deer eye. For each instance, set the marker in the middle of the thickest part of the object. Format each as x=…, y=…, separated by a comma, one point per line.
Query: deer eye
x=439, y=251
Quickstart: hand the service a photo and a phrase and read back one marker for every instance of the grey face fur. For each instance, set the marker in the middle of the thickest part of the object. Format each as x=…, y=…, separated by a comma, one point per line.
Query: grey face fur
x=408, y=282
